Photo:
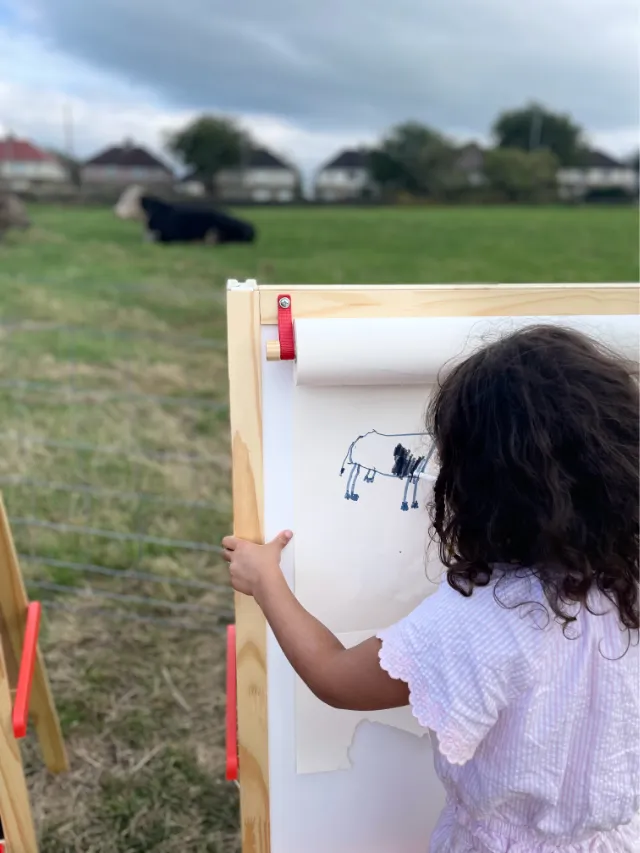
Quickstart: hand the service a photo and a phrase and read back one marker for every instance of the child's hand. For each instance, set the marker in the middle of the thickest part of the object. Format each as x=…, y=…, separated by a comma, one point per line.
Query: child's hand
x=250, y=565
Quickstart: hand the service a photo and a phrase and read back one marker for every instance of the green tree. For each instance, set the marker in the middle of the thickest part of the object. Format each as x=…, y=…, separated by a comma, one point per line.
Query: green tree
x=209, y=144
x=413, y=158
x=535, y=127
x=522, y=175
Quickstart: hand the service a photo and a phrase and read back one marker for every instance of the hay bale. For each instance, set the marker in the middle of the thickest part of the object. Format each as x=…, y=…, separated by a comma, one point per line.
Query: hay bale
x=13, y=214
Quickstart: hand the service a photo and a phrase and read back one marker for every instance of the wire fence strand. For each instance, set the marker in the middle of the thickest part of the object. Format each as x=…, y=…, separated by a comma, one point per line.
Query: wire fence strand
x=185, y=341
x=99, y=395
x=96, y=491
x=125, y=574
x=147, y=601
x=124, y=453
x=124, y=456
x=116, y=535
x=127, y=615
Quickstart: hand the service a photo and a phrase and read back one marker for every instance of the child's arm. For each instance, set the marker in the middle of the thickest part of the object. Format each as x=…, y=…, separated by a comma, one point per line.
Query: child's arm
x=344, y=678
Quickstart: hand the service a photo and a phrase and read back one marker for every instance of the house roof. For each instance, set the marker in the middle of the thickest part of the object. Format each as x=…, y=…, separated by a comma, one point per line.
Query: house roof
x=127, y=155
x=349, y=159
x=22, y=151
x=260, y=158
x=599, y=160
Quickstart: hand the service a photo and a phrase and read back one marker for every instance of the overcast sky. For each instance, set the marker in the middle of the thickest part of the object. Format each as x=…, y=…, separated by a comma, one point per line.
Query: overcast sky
x=309, y=76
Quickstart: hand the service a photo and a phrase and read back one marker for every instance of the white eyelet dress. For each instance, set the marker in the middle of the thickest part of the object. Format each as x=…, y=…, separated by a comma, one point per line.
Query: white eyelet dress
x=536, y=731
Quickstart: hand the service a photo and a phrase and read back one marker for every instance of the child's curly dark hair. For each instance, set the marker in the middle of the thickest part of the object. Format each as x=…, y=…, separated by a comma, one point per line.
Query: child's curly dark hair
x=537, y=437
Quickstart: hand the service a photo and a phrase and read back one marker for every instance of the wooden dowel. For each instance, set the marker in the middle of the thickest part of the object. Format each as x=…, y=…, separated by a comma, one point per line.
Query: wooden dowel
x=273, y=350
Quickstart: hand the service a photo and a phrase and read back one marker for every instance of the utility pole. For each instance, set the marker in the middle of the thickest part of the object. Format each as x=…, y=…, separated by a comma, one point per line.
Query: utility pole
x=535, y=130
x=67, y=123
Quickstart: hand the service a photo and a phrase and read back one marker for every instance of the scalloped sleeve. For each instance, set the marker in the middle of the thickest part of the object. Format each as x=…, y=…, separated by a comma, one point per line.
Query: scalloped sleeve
x=464, y=660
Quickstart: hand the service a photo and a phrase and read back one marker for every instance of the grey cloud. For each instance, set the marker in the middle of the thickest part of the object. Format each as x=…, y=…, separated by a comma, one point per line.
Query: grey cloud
x=362, y=64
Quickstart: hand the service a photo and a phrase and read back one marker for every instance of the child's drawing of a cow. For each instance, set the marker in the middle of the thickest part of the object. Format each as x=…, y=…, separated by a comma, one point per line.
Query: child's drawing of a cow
x=377, y=454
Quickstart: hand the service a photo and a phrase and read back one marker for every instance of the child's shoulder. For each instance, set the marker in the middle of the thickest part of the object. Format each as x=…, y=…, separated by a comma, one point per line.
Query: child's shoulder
x=507, y=618
x=465, y=658
x=515, y=592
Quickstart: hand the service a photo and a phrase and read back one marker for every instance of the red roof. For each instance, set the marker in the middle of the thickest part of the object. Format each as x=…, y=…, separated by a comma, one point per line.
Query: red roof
x=22, y=151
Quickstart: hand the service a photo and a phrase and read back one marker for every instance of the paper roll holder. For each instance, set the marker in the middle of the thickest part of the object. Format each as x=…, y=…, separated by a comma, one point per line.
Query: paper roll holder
x=284, y=349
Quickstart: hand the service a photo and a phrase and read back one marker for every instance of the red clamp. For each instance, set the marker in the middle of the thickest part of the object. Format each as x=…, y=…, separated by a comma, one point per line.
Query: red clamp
x=232, y=707
x=27, y=667
x=285, y=328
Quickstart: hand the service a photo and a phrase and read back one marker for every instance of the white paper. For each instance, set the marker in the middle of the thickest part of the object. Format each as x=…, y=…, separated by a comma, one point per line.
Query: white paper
x=413, y=350
x=390, y=799
x=359, y=564
x=325, y=735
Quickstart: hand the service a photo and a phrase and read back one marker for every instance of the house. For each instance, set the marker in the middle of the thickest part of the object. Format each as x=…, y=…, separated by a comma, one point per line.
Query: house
x=597, y=174
x=191, y=184
x=470, y=163
x=25, y=166
x=121, y=165
x=263, y=177
x=347, y=177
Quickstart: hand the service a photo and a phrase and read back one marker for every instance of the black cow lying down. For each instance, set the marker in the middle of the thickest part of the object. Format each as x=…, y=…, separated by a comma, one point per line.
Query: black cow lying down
x=179, y=222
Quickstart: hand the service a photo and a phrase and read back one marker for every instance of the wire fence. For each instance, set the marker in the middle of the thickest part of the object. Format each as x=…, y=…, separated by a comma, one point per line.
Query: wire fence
x=114, y=466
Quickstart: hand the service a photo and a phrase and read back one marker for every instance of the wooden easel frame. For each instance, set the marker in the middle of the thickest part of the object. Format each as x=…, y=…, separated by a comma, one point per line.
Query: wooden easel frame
x=249, y=307
x=15, y=810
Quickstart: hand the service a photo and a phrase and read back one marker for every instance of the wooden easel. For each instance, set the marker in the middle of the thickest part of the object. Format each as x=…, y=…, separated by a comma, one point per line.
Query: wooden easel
x=250, y=307
x=23, y=685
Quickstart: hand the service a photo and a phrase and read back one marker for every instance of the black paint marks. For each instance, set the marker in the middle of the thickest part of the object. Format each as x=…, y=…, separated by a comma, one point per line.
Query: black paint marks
x=406, y=463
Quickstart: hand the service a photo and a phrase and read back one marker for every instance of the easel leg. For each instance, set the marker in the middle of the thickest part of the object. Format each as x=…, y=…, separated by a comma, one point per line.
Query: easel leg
x=15, y=811
x=13, y=610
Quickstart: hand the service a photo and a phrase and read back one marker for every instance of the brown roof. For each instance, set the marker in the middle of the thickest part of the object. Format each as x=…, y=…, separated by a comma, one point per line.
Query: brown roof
x=127, y=155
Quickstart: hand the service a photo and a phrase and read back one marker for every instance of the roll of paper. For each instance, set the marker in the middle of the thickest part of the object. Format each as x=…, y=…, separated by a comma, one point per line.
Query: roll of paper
x=413, y=351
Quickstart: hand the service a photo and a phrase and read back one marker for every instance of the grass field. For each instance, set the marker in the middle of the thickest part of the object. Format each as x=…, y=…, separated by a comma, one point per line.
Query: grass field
x=102, y=340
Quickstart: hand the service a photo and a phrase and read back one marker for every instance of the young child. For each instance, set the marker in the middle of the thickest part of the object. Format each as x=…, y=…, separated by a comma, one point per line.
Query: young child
x=524, y=666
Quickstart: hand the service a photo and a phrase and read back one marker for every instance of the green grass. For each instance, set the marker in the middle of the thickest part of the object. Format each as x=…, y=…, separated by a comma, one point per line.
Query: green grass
x=93, y=315
x=374, y=245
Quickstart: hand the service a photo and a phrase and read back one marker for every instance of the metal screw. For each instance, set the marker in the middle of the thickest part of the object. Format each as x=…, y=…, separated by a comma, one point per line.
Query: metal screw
x=284, y=302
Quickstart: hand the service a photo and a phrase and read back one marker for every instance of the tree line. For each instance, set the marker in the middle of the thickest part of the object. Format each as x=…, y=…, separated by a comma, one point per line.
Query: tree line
x=530, y=144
